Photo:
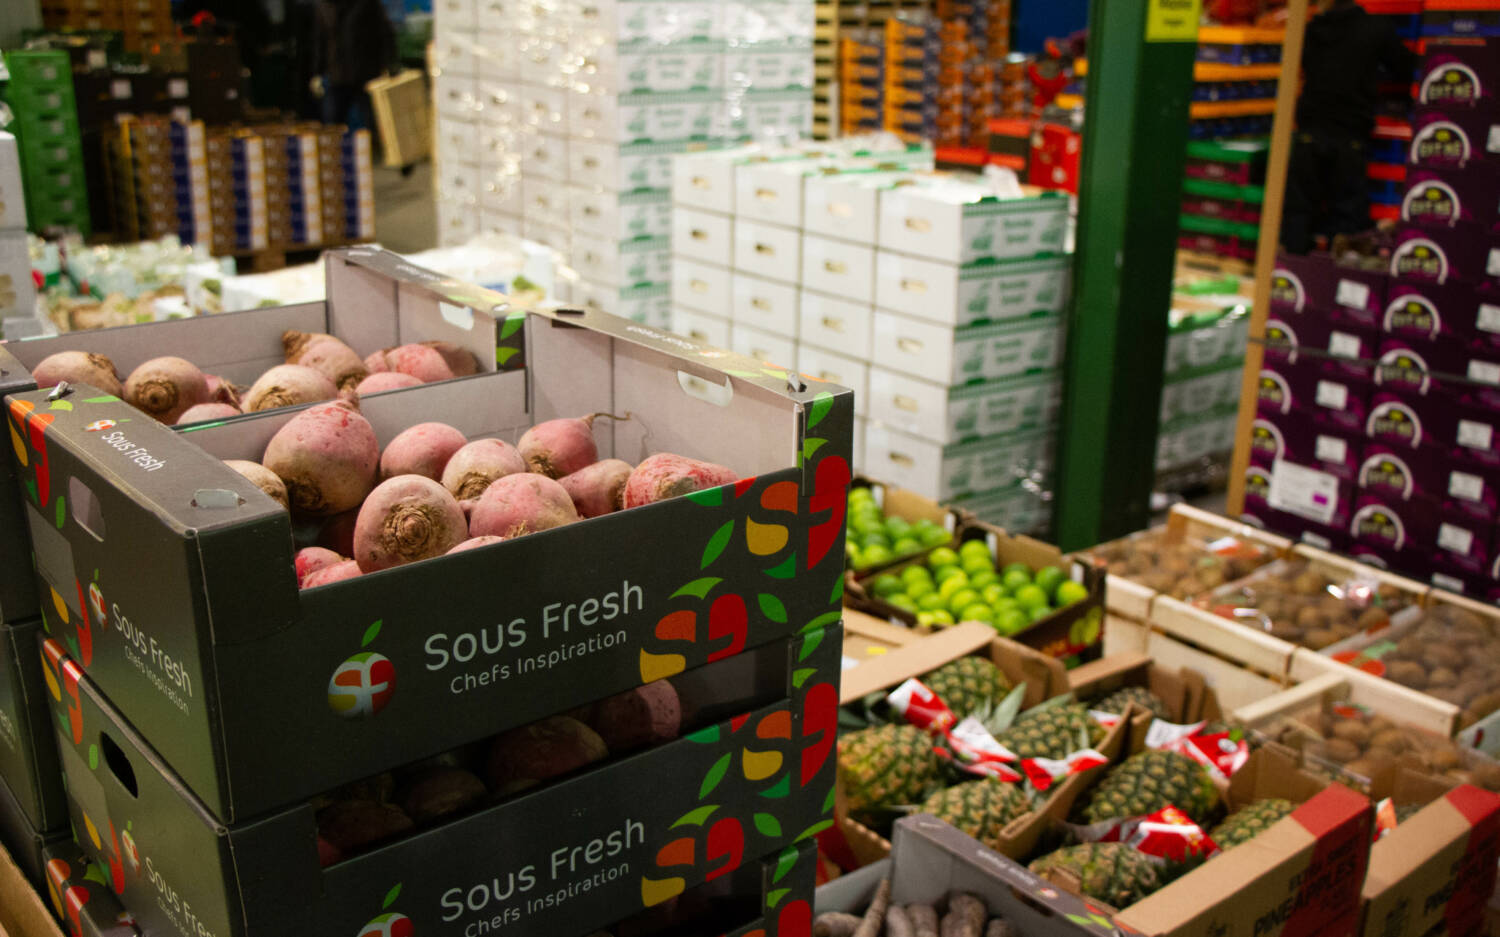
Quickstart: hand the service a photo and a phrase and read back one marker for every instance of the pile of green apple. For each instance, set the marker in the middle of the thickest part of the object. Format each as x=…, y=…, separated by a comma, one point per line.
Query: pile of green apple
x=876, y=540
x=965, y=585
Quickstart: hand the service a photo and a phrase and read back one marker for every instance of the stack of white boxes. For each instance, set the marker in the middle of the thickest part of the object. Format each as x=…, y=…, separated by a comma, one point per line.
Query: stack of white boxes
x=17, y=292
x=937, y=298
x=559, y=120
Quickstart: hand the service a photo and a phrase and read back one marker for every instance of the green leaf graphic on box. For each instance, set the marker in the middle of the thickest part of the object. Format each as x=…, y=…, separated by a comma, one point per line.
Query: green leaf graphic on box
x=503, y=355
x=512, y=325
x=707, y=497
x=715, y=775
x=800, y=676
x=696, y=817
x=371, y=633
x=31, y=490
x=784, y=864
x=814, y=830
x=820, y=406
x=837, y=598
x=698, y=588
x=716, y=544
x=62, y=512
x=706, y=736
x=810, y=644
x=93, y=757
x=61, y=405
x=780, y=789
x=391, y=896
x=812, y=445
x=772, y=608
x=767, y=825
x=828, y=801
x=774, y=898
x=777, y=373
x=72, y=642
x=107, y=398
x=734, y=373
x=95, y=873
x=786, y=569
x=822, y=621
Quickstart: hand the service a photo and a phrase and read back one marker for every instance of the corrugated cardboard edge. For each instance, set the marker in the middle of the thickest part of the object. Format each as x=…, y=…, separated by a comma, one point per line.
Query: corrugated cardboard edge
x=22, y=913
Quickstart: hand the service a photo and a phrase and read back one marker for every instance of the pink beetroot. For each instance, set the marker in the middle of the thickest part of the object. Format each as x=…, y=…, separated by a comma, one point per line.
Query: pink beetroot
x=598, y=489
x=205, y=412
x=78, y=367
x=288, y=385
x=166, y=387
x=460, y=361
x=475, y=543
x=262, y=477
x=476, y=466
x=664, y=476
x=386, y=380
x=328, y=456
x=561, y=447
x=425, y=364
x=337, y=533
x=326, y=355
x=222, y=391
x=646, y=715
x=312, y=559
x=422, y=450
x=406, y=519
x=329, y=575
x=517, y=505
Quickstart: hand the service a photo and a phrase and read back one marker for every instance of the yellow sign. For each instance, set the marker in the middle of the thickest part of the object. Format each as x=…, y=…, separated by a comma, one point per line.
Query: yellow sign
x=1173, y=20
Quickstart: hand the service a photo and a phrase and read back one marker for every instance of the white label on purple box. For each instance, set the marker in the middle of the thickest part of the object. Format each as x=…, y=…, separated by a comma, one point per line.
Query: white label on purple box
x=1304, y=492
x=1485, y=372
x=1455, y=539
x=1333, y=396
x=1353, y=294
x=1489, y=317
x=1492, y=265
x=1343, y=345
x=1444, y=581
x=1331, y=449
x=1472, y=435
x=1465, y=486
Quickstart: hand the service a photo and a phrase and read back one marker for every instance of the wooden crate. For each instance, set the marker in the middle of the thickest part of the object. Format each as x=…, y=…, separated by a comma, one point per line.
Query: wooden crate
x=1382, y=696
x=22, y=912
x=402, y=116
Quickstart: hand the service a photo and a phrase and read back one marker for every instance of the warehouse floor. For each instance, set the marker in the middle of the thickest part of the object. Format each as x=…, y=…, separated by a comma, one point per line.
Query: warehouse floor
x=405, y=214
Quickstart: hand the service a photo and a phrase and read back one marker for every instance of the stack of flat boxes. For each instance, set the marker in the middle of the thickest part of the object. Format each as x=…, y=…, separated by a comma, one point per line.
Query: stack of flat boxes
x=1200, y=385
x=40, y=94
x=1403, y=379
x=237, y=191
x=166, y=170
x=140, y=22
x=17, y=291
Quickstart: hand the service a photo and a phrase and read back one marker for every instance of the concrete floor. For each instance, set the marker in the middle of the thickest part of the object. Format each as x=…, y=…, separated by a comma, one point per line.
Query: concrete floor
x=405, y=214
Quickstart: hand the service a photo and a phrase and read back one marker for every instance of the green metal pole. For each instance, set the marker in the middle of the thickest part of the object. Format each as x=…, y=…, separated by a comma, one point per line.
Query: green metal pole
x=1140, y=78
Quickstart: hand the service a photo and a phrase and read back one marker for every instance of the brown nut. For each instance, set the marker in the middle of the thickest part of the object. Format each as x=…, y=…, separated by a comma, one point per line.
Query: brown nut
x=350, y=826
x=1352, y=730
x=1372, y=618
x=1443, y=655
x=1407, y=673
x=1319, y=638
x=1340, y=750
x=1309, y=616
x=1441, y=677
x=1390, y=742
x=441, y=791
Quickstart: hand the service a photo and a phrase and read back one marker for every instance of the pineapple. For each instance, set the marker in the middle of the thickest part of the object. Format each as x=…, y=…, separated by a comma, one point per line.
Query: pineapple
x=968, y=685
x=1249, y=822
x=1120, y=699
x=1052, y=732
x=979, y=808
x=887, y=766
x=1149, y=781
x=1114, y=873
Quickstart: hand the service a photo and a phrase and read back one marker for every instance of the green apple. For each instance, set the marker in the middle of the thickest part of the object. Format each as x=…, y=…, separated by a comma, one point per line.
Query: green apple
x=1012, y=622
x=1015, y=580
x=943, y=616
x=962, y=599
x=930, y=602
x=903, y=603
x=993, y=592
x=971, y=549
x=1030, y=597
x=1040, y=612
x=916, y=573
x=1070, y=592
x=943, y=573
x=1018, y=568
x=1049, y=578
x=941, y=557
x=919, y=588
x=906, y=546
x=886, y=585
x=978, y=612
x=952, y=584
x=875, y=554
x=984, y=578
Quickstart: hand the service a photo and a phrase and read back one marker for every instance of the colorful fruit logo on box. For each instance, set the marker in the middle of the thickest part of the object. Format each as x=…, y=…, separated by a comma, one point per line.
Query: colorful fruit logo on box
x=1443, y=141
x=1413, y=313
x=1394, y=421
x=364, y=684
x=1450, y=83
x=389, y=923
x=1274, y=392
x=1419, y=258
x=1287, y=289
x=1431, y=201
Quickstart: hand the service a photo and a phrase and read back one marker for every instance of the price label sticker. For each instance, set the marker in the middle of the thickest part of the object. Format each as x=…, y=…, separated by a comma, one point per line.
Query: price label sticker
x=1333, y=396
x=1485, y=372
x=1352, y=294
x=1465, y=486
x=1343, y=345
x=1489, y=317
x=1455, y=539
x=1472, y=435
x=1331, y=449
x=1304, y=492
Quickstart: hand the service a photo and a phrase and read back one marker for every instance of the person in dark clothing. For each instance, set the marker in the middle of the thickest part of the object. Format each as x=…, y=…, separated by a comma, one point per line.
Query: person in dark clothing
x=1343, y=57
x=353, y=43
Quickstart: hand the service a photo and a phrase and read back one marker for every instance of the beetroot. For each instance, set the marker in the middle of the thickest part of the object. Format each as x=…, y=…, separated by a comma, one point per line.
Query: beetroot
x=262, y=477
x=326, y=355
x=664, y=476
x=165, y=388
x=408, y=518
x=352, y=825
x=460, y=361
x=439, y=792
x=338, y=533
x=288, y=385
x=474, y=467
x=327, y=455
x=421, y=362
x=517, y=505
x=312, y=559
x=328, y=853
x=422, y=450
x=78, y=367
x=646, y=715
x=525, y=757
x=560, y=447
x=475, y=543
x=222, y=391
x=386, y=380
x=204, y=412
x=329, y=575
x=599, y=489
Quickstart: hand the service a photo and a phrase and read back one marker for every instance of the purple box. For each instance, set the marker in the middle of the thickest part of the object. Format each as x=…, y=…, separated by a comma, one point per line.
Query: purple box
x=1337, y=452
x=1322, y=536
x=1463, y=430
x=1257, y=486
x=1314, y=283
x=1461, y=543
x=1412, y=369
x=1398, y=421
x=1391, y=526
x=1447, y=197
x=1412, y=563
x=1436, y=311
x=1342, y=349
x=1305, y=391
x=1459, y=75
x=1453, y=139
x=1457, y=486
x=1439, y=255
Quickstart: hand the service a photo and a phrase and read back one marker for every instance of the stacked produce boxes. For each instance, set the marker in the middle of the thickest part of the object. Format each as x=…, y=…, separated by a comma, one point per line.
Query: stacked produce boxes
x=40, y=94
x=710, y=667
x=1201, y=386
x=17, y=291
x=164, y=171
x=141, y=23
x=579, y=110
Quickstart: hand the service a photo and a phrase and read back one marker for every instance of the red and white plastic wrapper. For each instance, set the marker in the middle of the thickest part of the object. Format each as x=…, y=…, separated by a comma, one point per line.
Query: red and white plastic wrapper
x=1108, y=720
x=1168, y=835
x=1222, y=753
x=1385, y=818
x=921, y=707
x=1045, y=772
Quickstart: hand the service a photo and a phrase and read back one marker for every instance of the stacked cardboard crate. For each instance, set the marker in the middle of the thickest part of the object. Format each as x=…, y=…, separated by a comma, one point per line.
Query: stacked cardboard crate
x=196, y=766
x=140, y=22
x=162, y=178
x=17, y=291
x=40, y=95
x=578, y=110
x=1206, y=341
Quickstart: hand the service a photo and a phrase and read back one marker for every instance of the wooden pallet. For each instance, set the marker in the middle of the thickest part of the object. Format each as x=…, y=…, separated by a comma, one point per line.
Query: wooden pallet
x=266, y=259
x=835, y=17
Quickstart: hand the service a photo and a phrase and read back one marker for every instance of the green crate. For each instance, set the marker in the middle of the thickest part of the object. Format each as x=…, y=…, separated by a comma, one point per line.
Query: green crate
x=1218, y=226
x=1227, y=151
x=40, y=68
x=46, y=128
x=74, y=216
x=24, y=99
x=1228, y=191
x=55, y=184
x=49, y=155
